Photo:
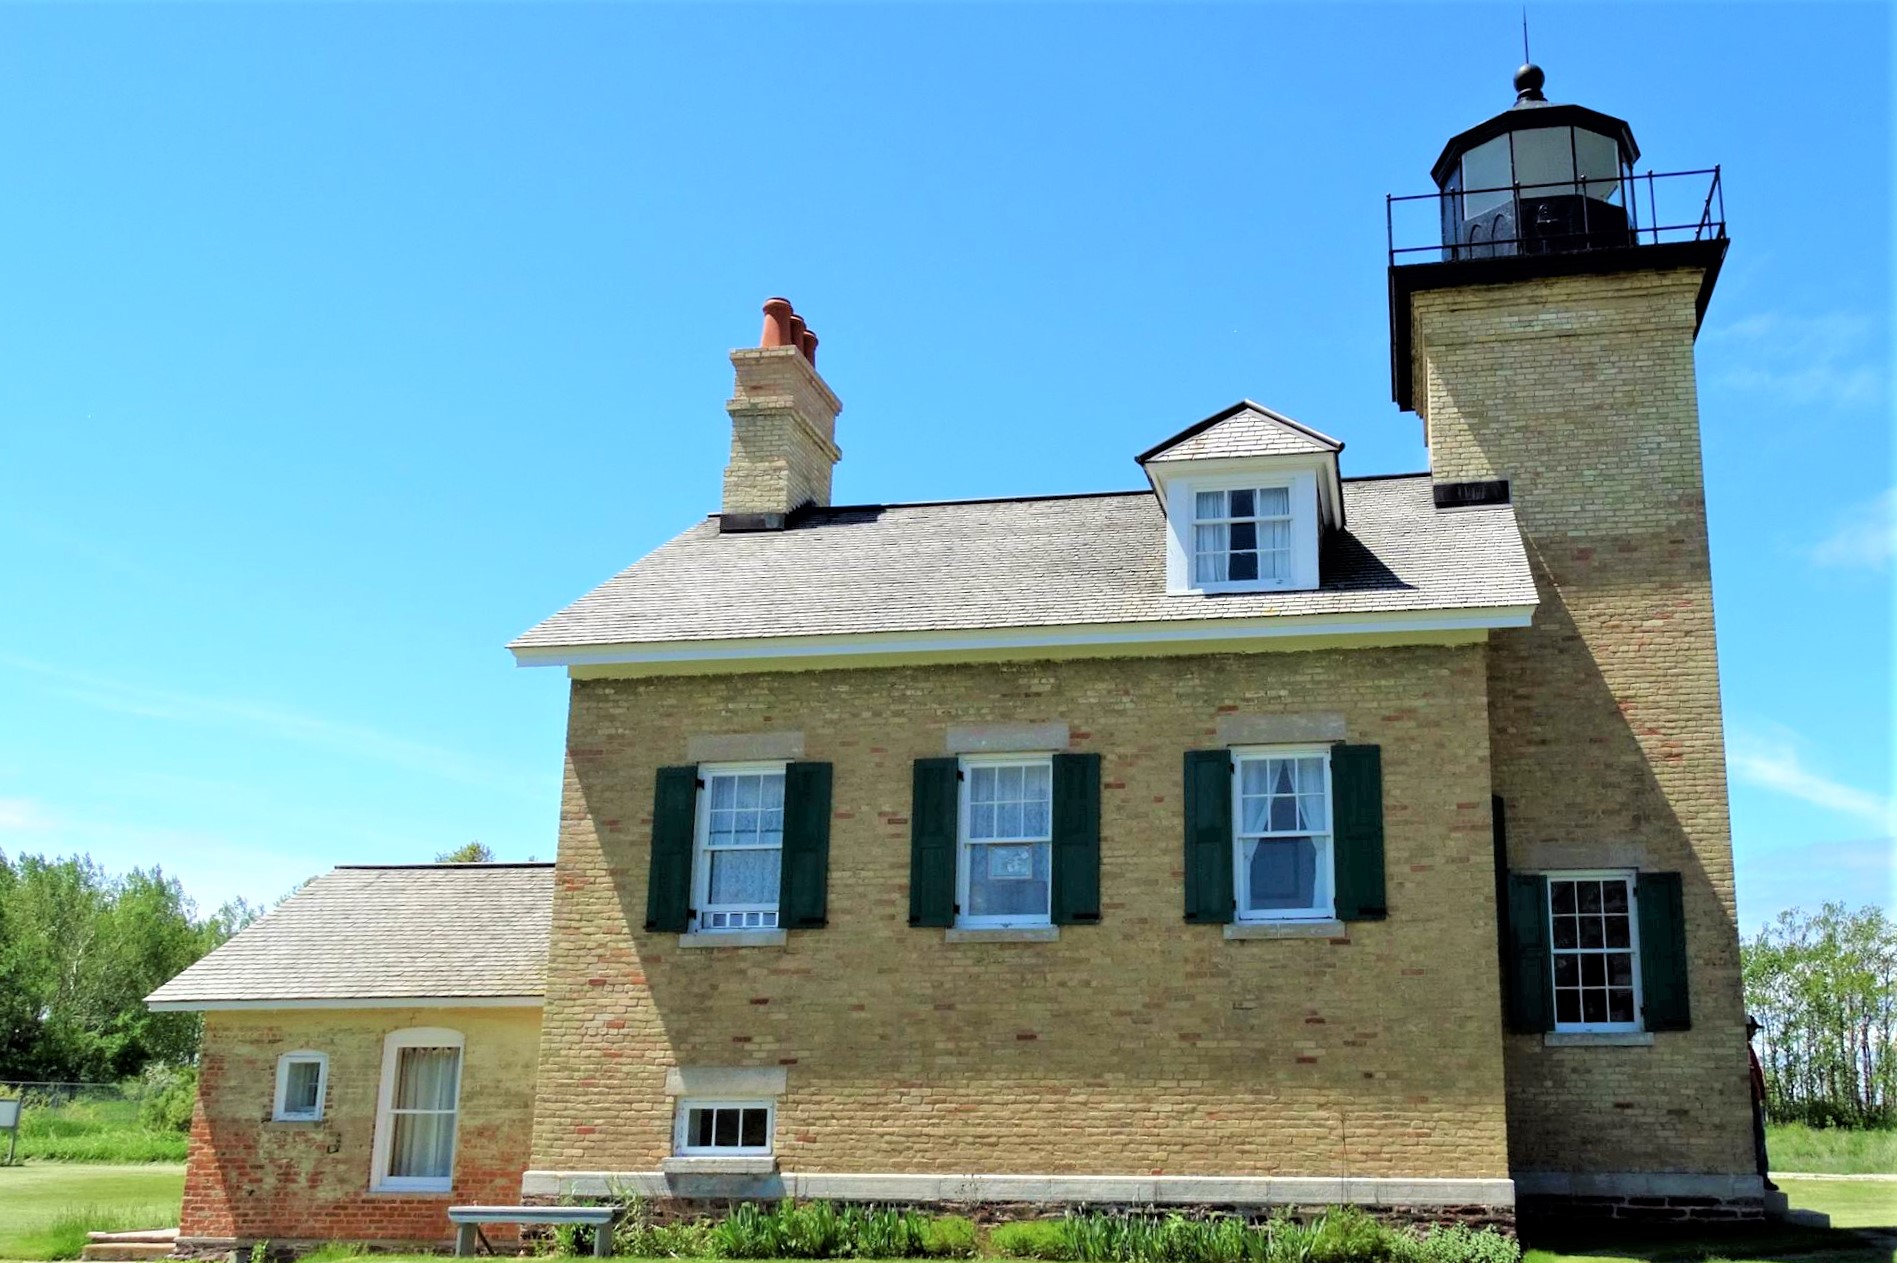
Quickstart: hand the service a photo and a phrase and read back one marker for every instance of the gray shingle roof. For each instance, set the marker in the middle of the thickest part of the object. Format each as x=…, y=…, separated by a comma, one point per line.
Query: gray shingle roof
x=1028, y=563
x=386, y=933
x=1244, y=429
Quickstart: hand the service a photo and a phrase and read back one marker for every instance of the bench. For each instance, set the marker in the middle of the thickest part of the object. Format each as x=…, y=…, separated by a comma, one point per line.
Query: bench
x=468, y=1220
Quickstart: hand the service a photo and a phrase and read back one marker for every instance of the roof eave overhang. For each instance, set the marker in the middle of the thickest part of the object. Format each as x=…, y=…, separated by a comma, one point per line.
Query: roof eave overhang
x=349, y=1002
x=1262, y=633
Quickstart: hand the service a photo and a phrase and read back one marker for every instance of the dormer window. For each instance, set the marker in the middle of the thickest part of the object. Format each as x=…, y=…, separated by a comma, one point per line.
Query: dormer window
x=1241, y=535
x=1248, y=493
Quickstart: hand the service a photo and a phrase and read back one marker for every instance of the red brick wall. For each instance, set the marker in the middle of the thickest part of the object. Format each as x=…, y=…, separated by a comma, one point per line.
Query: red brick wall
x=252, y=1179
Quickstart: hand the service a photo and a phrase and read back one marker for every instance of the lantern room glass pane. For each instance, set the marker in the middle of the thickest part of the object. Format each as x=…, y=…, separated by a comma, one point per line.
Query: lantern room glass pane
x=1598, y=157
x=1544, y=161
x=1486, y=167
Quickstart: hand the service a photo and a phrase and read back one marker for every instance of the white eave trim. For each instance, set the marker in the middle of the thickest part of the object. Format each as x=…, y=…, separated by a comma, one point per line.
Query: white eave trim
x=352, y=1002
x=1159, y=634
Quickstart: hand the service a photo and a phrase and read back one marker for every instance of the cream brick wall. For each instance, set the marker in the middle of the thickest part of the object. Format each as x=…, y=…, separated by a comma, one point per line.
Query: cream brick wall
x=1139, y=1045
x=1606, y=730
x=250, y=1179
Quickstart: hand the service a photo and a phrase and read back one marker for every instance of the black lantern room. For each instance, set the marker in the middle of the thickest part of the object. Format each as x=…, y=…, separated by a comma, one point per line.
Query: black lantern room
x=1538, y=178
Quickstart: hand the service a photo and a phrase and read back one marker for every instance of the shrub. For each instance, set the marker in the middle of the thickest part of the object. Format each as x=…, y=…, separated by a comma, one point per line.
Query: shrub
x=1457, y=1244
x=1032, y=1239
x=165, y=1096
x=949, y=1237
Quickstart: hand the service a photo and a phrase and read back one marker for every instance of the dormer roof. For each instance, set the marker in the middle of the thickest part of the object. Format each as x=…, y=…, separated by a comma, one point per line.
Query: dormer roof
x=1244, y=429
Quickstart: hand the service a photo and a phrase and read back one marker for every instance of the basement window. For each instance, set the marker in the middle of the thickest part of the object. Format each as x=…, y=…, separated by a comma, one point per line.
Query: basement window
x=724, y=1129
x=301, y=1079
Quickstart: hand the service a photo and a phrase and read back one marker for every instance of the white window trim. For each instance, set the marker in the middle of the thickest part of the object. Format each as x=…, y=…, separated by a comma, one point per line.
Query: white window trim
x=1632, y=878
x=392, y=1046
x=1326, y=886
x=1181, y=508
x=701, y=860
x=963, y=844
x=681, y=1126
x=279, y=1113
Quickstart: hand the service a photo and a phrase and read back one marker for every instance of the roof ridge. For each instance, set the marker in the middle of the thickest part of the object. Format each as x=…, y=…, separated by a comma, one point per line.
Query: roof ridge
x=1058, y=495
x=447, y=867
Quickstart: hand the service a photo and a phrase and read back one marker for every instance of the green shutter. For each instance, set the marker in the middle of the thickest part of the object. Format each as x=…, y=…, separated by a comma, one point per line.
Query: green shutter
x=804, y=879
x=933, y=810
x=1664, y=1004
x=1208, y=811
x=1076, y=894
x=1529, y=987
x=1357, y=787
x=669, y=880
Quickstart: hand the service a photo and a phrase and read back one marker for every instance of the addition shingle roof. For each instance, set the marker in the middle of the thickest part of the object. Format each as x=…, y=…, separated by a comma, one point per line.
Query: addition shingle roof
x=1052, y=561
x=382, y=933
x=1244, y=429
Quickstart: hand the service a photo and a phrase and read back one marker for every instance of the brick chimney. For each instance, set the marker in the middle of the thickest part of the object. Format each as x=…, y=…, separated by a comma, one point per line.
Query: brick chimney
x=783, y=426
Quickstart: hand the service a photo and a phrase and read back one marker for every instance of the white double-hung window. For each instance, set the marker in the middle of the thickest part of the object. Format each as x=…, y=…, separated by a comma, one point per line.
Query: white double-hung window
x=1242, y=535
x=417, y=1109
x=1281, y=834
x=737, y=859
x=1005, y=854
x=1594, y=937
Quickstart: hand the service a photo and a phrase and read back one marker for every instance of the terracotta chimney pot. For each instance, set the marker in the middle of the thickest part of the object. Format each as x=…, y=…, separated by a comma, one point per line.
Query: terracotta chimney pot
x=778, y=322
x=810, y=347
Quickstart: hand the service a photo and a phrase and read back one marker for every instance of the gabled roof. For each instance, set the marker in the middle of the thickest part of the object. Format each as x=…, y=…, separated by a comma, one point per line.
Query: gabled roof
x=1244, y=429
x=382, y=934
x=1055, y=561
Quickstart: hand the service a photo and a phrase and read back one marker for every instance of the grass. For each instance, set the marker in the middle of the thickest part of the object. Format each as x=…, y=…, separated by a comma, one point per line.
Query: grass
x=95, y=1131
x=1832, y=1150
x=1850, y=1203
x=46, y=1209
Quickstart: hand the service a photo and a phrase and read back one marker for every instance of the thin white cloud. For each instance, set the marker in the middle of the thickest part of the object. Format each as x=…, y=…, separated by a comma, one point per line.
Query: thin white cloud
x=263, y=720
x=1865, y=538
x=1771, y=760
x=1831, y=358
x=21, y=815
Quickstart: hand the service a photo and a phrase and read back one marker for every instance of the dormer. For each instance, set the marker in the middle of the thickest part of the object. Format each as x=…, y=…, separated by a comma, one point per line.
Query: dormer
x=1248, y=494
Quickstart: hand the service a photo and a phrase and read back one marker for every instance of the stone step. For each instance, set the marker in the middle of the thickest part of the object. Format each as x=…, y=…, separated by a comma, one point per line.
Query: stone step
x=122, y=1251
x=144, y=1236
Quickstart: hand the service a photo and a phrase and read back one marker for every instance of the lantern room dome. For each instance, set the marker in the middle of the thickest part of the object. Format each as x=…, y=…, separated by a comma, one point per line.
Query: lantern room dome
x=1537, y=178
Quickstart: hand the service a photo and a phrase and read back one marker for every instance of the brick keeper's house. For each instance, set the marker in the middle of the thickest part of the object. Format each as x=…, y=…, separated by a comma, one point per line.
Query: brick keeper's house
x=1259, y=836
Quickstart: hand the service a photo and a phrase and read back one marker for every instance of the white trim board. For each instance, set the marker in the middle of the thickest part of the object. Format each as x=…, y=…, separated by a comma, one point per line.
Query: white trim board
x=1275, y=632
x=1143, y=1190
x=347, y=1002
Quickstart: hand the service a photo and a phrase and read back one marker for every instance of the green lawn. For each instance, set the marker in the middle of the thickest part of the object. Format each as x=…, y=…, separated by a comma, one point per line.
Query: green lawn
x=46, y=1208
x=97, y=1130
x=1795, y=1147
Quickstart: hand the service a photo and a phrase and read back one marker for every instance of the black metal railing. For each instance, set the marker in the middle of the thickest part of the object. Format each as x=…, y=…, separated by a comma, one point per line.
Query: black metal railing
x=1556, y=218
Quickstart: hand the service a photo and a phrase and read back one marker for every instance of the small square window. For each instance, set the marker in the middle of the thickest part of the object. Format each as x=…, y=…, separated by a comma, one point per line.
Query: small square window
x=301, y=1080
x=1004, y=867
x=724, y=1128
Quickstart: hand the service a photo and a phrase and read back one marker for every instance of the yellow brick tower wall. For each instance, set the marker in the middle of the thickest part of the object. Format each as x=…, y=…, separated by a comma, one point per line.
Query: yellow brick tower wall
x=1606, y=733
x=1138, y=1046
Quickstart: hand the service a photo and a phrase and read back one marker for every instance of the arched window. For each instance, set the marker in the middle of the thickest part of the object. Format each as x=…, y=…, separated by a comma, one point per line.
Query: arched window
x=416, y=1111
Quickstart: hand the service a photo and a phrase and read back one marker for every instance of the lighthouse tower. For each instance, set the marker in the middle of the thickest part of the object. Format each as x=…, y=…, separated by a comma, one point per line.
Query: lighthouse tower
x=1542, y=328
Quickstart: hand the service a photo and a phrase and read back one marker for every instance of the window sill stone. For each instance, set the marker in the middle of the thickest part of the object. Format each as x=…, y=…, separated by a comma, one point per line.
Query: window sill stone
x=1286, y=929
x=1018, y=934
x=1598, y=1039
x=734, y=938
x=763, y=1164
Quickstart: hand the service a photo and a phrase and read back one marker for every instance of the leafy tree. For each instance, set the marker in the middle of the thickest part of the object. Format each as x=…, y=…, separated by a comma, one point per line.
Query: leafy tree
x=1824, y=988
x=79, y=951
x=470, y=853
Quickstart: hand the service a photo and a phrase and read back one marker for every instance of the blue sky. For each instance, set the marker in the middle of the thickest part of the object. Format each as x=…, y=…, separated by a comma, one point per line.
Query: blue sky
x=340, y=344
